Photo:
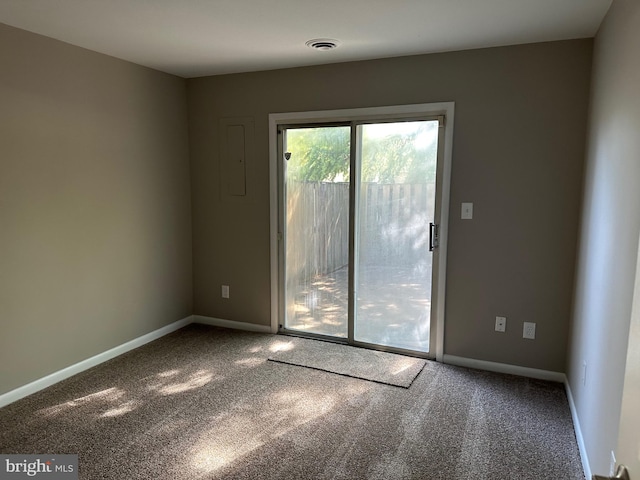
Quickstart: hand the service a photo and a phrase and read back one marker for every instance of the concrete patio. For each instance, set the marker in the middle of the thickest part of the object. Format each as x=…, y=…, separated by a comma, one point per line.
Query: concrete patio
x=393, y=306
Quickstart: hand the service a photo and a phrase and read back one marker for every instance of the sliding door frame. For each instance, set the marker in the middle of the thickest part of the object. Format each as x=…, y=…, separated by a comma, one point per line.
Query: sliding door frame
x=363, y=115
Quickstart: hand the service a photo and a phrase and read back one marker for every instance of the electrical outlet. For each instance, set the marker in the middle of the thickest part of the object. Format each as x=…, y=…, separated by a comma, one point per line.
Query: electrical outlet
x=225, y=291
x=529, y=330
x=501, y=324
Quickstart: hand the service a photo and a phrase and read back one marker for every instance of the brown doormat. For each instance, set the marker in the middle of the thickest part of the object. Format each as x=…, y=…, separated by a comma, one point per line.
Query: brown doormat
x=372, y=365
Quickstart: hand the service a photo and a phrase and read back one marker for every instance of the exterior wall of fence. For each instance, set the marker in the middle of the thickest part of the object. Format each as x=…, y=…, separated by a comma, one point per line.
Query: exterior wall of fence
x=393, y=226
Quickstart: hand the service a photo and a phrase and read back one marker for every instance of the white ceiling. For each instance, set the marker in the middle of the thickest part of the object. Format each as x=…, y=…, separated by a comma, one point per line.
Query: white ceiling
x=192, y=38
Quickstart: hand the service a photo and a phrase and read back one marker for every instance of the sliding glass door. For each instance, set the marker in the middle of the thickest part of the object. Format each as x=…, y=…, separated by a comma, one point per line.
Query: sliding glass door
x=316, y=248
x=396, y=205
x=358, y=223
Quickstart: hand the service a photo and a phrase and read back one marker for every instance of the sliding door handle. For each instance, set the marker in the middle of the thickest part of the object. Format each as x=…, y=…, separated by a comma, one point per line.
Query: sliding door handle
x=434, y=236
x=621, y=474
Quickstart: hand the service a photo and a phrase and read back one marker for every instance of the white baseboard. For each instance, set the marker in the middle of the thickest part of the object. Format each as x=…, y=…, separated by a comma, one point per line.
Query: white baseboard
x=578, y=431
x=219, y=322
x=531, y=373
x=504, y=368
x=44, y=382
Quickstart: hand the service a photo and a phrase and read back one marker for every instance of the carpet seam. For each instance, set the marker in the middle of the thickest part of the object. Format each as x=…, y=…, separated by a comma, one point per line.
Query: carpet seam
x=345, y=374
x=417, y=375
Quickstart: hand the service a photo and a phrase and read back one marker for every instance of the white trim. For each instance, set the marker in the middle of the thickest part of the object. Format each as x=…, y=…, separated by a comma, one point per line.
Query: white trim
x=76, y=368
x=273, y=220
x=578, y=431
x=349, y=114
x=368, y=113
x=219, y=322
x=505, y=368
x=448, y=109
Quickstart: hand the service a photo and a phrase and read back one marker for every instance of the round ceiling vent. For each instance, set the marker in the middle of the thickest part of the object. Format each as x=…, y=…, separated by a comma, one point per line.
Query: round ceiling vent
x=323, y=44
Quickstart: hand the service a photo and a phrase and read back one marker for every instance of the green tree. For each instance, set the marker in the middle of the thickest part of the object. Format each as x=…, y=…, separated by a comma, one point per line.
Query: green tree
x=398, y=157
x=319, y=154
x=391, y=153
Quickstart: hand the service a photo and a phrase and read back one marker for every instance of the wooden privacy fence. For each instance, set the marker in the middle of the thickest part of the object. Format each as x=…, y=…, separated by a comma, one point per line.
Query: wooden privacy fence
x=393, y=221
x=317, y=228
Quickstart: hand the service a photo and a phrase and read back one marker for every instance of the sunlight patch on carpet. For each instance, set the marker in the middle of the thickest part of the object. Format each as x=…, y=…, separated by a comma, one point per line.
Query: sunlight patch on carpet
x=380, y=367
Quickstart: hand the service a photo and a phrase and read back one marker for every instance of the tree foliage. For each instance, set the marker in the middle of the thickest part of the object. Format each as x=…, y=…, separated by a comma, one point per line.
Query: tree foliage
x=389, y=155
x=319, y=154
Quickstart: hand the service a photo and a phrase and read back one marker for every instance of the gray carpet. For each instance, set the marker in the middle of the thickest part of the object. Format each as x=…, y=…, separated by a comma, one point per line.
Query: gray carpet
x=204, y=403
x=380, y=367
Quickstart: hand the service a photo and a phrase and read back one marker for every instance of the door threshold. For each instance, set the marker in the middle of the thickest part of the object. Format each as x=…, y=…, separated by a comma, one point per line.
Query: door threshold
x=365, y=345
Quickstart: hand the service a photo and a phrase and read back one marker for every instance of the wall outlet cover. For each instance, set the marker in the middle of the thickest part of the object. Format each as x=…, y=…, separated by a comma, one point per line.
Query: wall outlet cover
x=529, y=330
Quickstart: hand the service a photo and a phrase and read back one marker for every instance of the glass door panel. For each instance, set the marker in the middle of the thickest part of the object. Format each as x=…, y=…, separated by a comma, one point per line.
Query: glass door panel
x=316, y=233
x=396, y=204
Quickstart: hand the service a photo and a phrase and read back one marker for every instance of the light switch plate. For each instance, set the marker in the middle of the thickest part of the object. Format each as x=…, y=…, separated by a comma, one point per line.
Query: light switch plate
x=467, y=211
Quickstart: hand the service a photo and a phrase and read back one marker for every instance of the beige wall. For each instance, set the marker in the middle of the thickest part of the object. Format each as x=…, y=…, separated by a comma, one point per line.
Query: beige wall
x=95, y=245
x=95, y=222
x=609, y=233
x=518, y=155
